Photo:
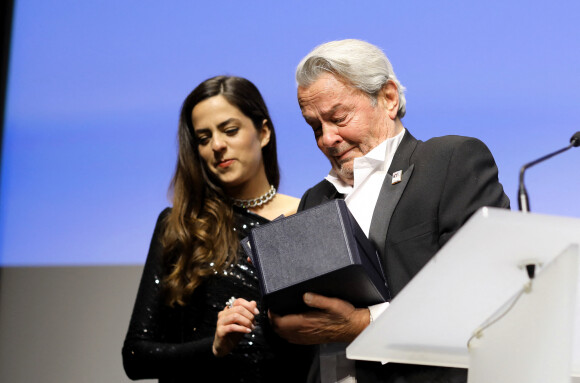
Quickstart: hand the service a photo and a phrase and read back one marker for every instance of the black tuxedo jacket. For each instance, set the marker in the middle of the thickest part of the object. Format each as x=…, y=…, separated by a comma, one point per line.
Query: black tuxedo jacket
x=445, y=180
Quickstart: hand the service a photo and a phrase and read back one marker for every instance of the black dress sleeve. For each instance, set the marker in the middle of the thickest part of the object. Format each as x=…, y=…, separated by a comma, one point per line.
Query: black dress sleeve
x=147, y=351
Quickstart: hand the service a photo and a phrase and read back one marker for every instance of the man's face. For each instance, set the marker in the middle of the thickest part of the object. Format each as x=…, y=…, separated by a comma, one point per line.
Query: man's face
x=345, y=123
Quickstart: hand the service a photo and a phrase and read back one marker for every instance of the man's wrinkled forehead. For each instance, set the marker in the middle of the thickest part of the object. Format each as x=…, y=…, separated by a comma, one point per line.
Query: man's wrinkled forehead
x=327, y=85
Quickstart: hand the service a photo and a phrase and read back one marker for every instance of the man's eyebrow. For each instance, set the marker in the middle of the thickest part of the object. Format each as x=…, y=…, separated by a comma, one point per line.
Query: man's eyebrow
x=310, y=120
x=332, y=110
x=335, y=108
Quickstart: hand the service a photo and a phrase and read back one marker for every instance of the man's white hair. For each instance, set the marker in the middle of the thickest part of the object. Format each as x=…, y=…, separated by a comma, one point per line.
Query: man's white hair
x=361, y=64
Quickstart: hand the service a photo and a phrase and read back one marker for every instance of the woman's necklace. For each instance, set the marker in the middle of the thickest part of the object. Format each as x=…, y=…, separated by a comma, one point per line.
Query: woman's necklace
x=256, y=202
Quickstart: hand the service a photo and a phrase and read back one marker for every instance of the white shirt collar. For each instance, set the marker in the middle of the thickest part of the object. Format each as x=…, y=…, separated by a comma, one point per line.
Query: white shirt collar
x=378, y=159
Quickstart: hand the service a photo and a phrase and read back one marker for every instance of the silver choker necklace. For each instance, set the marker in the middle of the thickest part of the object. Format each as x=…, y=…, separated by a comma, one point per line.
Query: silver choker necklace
x=256, y=202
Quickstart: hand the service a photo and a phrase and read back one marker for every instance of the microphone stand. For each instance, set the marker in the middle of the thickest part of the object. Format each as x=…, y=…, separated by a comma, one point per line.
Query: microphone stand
x=523, y=200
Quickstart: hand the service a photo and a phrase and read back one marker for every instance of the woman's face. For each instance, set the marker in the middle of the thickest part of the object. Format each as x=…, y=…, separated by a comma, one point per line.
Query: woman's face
x=229, y=144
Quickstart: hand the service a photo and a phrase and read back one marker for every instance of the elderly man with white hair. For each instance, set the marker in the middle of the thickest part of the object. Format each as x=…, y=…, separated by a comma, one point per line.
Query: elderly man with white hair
x=409, y=196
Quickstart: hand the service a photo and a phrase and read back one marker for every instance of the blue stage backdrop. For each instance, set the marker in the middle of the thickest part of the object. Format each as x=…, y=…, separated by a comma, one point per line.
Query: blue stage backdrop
x=95, y=88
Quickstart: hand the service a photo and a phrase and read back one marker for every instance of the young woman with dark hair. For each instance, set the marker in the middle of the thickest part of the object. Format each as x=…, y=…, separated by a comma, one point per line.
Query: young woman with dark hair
x=197, y=316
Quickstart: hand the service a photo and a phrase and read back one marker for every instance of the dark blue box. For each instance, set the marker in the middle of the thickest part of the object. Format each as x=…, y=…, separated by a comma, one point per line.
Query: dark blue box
x=321, y=250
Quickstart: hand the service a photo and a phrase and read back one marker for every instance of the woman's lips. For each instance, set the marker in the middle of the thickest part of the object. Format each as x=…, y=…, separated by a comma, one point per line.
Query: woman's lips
x=224, y=163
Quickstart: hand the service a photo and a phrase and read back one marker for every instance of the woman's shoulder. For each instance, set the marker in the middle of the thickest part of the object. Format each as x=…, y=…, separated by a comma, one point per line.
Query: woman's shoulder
x=162, y=217
x=164, y=213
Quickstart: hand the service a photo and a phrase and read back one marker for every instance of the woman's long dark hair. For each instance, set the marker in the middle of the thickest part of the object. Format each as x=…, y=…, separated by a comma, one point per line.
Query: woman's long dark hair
x=199, y=237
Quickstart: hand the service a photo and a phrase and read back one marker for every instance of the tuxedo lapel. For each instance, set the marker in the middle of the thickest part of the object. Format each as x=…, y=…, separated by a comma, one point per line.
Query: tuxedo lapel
x=388, y=199
x=391, y=193
x=402, y=157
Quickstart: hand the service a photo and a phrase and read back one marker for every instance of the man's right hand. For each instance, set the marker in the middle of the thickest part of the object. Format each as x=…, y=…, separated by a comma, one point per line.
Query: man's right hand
x=333, y=320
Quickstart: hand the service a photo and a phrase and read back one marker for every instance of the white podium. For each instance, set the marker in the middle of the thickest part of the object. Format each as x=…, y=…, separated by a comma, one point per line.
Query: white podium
x=474, y=306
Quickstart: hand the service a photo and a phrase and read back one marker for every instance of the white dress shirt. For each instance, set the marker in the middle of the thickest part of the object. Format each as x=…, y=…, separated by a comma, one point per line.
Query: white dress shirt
x=361, y=199
x=369, y=174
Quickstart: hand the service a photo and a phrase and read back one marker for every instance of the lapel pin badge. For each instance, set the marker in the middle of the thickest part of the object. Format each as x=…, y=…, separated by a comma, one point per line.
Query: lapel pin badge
x=397, y=177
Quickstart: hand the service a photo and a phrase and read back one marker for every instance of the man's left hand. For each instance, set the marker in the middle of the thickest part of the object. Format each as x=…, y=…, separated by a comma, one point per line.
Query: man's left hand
x=334, y=320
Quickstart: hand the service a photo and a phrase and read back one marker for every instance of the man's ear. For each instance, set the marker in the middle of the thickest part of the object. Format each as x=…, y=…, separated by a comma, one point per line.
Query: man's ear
x=264, y=133
x=388, y=98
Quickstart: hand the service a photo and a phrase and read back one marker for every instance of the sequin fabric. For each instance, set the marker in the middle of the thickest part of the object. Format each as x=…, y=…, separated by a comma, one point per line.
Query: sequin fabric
x=174, y=344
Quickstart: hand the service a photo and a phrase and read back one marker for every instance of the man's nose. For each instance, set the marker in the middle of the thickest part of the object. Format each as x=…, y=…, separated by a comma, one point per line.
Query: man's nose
x=330, y=136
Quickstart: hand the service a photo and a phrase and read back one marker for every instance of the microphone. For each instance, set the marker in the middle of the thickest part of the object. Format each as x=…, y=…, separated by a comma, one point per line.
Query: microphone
x=575, y=140
x=523, y=200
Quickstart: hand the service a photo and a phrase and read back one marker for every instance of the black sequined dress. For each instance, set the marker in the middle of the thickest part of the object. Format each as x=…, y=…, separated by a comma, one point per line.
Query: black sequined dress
x=175, y=344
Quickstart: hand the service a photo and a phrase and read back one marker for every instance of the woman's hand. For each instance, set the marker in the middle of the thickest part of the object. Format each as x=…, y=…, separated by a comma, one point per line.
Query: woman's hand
x=233, y=322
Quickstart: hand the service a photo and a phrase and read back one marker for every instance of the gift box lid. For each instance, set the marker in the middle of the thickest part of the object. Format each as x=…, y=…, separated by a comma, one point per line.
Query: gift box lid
x=321, y=250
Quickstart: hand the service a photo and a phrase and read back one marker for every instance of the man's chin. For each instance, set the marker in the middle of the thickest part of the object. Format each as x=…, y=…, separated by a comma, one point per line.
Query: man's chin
x=345, y=173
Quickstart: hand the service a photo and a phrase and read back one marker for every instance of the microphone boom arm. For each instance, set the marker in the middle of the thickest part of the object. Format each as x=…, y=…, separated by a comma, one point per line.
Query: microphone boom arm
x=523, y=200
